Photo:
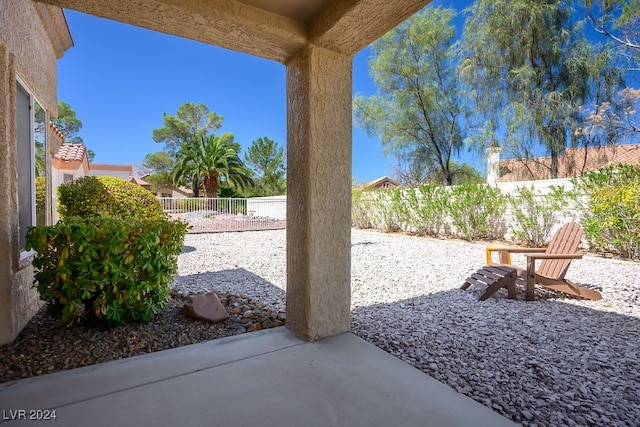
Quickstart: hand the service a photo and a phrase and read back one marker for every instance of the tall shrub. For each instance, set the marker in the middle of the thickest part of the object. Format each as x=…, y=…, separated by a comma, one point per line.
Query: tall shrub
x=94, y=196
x=109, y=269
x=476, y=210
x=361, y=205
x=534, y=215
x=609, y=202
x=424, y=209
x=386, y=212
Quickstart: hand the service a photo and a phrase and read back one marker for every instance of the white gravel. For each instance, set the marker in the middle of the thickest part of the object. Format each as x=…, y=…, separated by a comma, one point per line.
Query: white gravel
x=550, y=362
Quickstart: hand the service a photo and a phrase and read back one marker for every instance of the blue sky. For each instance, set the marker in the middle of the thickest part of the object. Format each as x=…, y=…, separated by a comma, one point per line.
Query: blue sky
x=121, y=79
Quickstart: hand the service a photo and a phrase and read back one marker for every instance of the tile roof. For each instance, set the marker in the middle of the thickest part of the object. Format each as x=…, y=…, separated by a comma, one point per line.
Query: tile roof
x=575, y=161
x=56, y=132
x=381, y=183
x=141, y=182
x=70, y=152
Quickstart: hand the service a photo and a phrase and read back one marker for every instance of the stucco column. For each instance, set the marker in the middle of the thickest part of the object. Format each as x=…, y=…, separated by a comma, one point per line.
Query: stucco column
x=493, y=163
x=318, y=193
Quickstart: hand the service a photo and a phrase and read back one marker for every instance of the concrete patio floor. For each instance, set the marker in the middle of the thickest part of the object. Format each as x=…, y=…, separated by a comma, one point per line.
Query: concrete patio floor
x=266, y=378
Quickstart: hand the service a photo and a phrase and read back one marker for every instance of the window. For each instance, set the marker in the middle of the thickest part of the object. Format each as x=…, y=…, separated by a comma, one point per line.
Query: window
x=68, y=177
x=31, y=138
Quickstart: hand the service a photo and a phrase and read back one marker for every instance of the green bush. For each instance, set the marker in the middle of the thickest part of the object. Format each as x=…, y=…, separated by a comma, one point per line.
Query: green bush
x=109, y=269
x=476, y=210
x=609, y=201
x=41, y=200
x=534, y=215
x=107, y=196
x=387, y=213
x=361, y=207
x=424, y=209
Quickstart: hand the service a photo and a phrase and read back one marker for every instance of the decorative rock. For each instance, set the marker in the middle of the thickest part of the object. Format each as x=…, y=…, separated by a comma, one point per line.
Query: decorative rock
x=206, y=307
x=254, y=327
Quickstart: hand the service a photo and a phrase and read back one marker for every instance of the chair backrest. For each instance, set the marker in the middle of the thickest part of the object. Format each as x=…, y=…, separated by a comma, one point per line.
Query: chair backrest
x=565, y=241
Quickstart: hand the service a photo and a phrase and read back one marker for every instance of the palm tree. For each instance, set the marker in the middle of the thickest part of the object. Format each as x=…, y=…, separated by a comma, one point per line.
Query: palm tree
x=214, y=159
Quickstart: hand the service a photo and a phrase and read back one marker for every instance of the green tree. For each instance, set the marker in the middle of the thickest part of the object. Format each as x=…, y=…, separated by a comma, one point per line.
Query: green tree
x=530, y=70
x=68, y=123
x=215, y=160
x=620, y=21
x=267, y=161
x=161, y=163
x=192, y=121
x=414, y=169
x=419, y=110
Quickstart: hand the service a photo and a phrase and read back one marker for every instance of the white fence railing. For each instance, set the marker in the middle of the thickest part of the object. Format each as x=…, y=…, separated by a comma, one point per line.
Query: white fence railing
x=211, y=215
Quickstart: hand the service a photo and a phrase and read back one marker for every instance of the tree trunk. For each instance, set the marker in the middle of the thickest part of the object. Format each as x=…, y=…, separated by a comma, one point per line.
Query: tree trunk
x=210, y=184
x=554, y=164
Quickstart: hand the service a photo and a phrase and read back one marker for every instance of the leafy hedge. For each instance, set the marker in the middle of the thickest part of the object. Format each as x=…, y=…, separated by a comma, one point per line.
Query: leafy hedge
x=95, y=196
x=609, y=203
x=109, y=269
x=535, y=215
x=476, y=210
x=473, y=210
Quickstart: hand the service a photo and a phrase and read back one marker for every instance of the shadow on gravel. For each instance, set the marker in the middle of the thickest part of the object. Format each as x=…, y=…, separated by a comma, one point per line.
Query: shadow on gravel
x=544, y=362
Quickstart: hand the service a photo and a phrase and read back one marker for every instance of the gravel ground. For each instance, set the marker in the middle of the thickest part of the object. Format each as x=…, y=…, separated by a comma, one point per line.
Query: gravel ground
x=551, y=362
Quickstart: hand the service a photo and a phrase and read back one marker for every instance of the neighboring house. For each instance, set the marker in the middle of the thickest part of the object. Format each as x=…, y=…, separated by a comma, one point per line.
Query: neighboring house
x=69, y=163
x=180, y=192
x=382, y=183
x=575, y=161
x=32, y=37
x=141, y=182
x=119, y=171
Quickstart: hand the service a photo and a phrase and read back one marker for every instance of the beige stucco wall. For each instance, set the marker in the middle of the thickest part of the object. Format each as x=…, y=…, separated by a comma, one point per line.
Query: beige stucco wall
x=29, y=51
x=319, y=181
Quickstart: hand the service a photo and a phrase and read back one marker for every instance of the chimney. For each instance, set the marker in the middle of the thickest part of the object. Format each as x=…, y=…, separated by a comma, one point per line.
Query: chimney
x=493, y=163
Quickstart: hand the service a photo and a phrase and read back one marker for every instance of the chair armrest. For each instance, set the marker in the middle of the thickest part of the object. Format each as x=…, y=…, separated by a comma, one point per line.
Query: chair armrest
x=505, y=252
x=514, y=249
x=554, y=256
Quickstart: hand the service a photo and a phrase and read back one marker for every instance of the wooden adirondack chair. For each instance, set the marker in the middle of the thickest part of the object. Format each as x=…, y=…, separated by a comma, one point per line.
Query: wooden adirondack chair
x=555, y=258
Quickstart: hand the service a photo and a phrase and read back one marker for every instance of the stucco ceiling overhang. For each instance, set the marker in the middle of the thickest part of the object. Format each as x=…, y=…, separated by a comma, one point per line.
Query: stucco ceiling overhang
x=272, y=29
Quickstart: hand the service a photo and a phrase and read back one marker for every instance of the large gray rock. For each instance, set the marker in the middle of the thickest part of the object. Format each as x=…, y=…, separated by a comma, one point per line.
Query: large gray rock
x=206, y=307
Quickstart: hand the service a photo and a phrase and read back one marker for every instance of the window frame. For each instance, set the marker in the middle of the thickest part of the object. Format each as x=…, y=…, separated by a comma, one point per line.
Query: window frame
x=27, y=256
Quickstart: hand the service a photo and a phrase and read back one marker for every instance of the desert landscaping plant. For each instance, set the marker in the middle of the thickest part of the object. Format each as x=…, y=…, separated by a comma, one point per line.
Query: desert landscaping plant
x=111, y=258
x=94, y=196
x=361, y=206
x=535, y=215
x=609, y=203
x=425, y=209
x=476, y=211
x=105, y=268
x=387, y=214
